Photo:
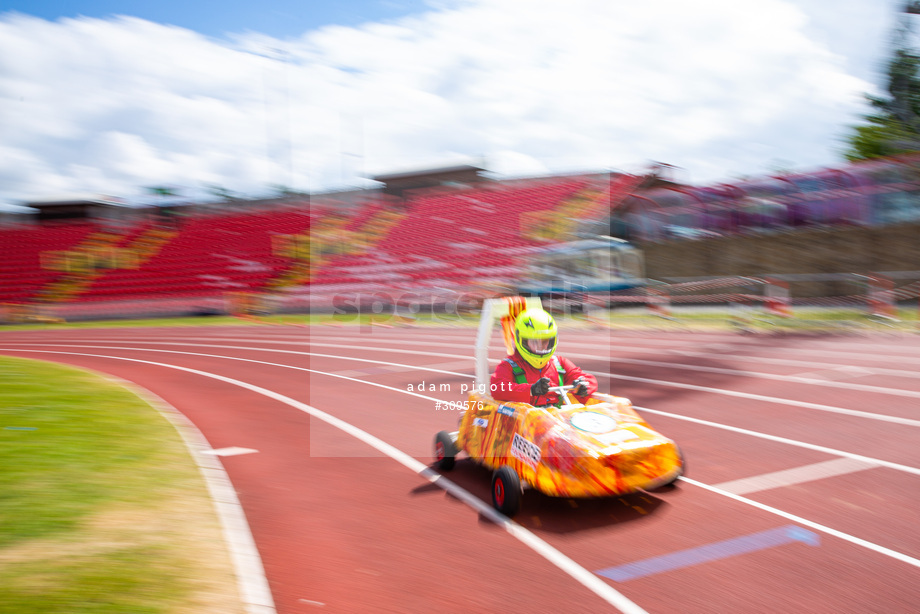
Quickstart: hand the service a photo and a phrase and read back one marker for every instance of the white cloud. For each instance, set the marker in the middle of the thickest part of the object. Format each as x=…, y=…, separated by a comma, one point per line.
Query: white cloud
x=719, y=87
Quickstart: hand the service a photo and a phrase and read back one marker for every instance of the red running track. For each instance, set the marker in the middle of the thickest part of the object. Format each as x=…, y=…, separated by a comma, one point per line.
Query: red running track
x=809, y=438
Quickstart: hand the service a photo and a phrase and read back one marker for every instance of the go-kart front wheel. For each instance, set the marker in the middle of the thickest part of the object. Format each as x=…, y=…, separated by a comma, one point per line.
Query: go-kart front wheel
x=445, y=451
x=506, y=491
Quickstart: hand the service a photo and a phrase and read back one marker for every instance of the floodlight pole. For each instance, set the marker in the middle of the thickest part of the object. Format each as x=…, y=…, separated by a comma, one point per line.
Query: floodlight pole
x=284, y=56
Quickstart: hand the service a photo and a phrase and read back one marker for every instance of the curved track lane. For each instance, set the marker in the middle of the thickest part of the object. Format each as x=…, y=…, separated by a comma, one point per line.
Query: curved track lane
x=803, y=471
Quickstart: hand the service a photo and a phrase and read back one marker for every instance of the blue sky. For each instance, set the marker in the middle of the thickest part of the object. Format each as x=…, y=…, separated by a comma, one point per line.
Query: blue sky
x=322, y=95
x=278, y=18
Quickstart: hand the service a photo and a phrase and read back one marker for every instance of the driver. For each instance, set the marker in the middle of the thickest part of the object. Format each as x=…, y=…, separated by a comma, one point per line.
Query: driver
x=526, y=375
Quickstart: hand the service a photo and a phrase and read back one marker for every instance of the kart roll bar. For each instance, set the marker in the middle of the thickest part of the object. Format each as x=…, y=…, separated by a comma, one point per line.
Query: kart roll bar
x=493, y=309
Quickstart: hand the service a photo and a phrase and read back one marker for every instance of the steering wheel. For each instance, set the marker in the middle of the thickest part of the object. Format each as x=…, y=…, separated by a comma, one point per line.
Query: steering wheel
x=563, y=397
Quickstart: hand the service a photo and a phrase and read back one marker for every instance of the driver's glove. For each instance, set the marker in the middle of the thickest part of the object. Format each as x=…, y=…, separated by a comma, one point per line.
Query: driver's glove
x=581, y=386
x=540, y=387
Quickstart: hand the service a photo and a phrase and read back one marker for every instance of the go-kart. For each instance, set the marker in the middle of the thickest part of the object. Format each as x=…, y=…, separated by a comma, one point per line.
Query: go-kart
x=600, y=448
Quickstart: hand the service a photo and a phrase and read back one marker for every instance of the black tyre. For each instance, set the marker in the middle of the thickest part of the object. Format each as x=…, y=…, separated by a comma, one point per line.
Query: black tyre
x=445, y=451
x=506, y=491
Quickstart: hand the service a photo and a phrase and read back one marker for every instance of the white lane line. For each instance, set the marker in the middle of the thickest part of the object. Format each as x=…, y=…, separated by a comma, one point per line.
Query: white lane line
x=554, y=556
x=808, y=379
x=855, y=371
x=645, y=380
x=694, y=349
x=753, y=374
x=791, y=442
x=436, y=338
x=231, y=451
x=510, y=526
x=735, y=429
x=904, y=558
x=478, y=504
x=767, y=399
x=838, y=373
x=832, y=354
x=344, y=375
x=846, y=370
x=383, y=368
x=255, y=593
x=796, y=475
x=696, y=352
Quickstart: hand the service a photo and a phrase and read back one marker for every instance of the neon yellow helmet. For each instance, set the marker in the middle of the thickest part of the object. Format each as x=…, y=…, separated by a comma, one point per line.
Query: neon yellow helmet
x=535, y=337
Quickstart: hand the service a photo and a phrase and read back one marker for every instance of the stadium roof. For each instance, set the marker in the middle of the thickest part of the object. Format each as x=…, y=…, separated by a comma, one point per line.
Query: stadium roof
x=77, y=199
x=427, y=171
x=10, y=208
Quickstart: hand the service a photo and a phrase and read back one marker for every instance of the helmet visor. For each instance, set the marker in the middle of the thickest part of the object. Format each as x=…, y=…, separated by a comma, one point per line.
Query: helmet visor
x=540, y=347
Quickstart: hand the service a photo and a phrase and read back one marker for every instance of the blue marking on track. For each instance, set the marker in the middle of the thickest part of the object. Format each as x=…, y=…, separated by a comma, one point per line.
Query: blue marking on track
x=711, y=552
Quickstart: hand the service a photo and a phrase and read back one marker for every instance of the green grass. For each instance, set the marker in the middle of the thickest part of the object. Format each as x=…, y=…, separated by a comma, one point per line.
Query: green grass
x=158, y=322
x=102, y=584
x=292, y=319
x=102, y=509
x=816, y=319
x=99, y=499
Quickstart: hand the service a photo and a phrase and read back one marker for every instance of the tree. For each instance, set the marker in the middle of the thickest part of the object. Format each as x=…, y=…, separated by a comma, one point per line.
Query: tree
x=221, y=192
x=162, y=191
x=893, y=126
x=282, y=190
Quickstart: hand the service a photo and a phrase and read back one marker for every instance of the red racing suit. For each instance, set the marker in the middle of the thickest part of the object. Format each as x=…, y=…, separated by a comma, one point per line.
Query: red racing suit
x=505, y=387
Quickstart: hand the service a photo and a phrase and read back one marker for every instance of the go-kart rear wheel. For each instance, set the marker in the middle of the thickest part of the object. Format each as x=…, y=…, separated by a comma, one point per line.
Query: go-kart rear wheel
x=506, y=491
x=445, y=451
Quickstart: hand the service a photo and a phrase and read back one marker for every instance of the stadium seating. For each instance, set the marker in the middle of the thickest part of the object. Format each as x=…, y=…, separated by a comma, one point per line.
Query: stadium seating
x=22, y=274
x=446, y=237
x=455, y=237
x=208, y=255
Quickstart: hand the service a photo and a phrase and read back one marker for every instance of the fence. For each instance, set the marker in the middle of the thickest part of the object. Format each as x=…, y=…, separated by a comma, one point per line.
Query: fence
x=879, y=296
